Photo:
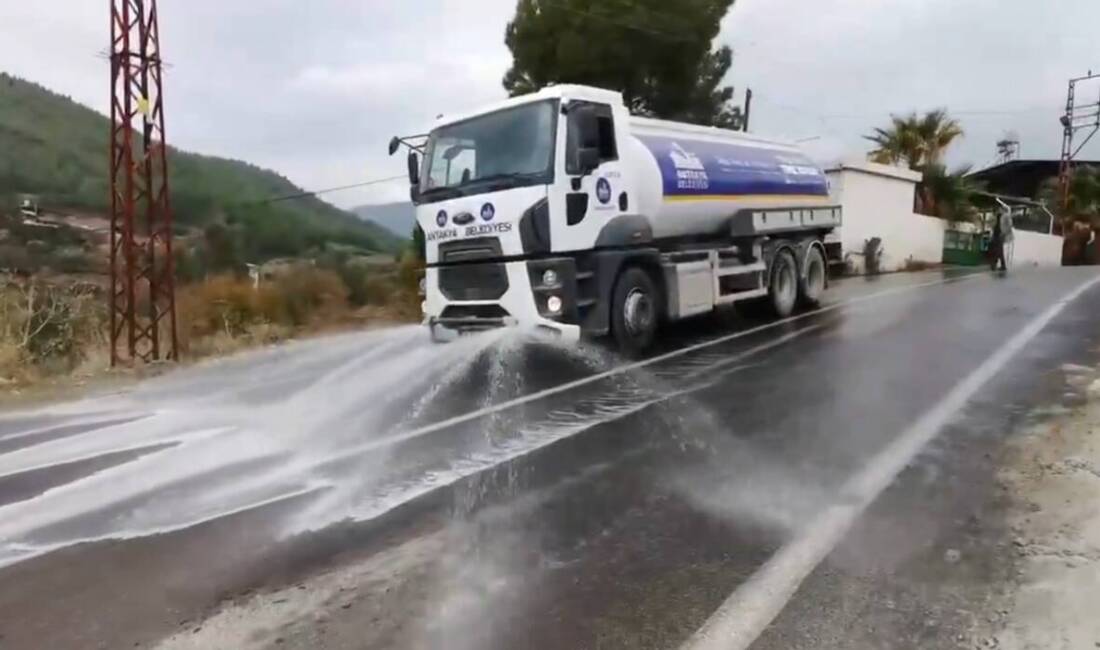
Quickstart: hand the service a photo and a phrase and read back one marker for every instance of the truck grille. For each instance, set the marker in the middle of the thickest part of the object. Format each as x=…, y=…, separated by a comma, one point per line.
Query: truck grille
x=468, y=250
x=473, y=281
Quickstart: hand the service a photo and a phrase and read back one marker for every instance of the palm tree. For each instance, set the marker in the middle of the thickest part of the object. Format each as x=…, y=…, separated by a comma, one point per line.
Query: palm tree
x=919, y=142
x=936, y=132
x=897, y=144
x=947, y=195
x=916, y=141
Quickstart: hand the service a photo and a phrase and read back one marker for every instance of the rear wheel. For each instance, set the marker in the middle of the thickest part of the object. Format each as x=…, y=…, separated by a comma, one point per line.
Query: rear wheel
x=811, y=284
x=783, y=283
x=634, y=311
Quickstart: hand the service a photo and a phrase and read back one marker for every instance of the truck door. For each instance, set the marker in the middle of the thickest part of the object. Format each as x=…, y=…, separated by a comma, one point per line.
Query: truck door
x=590, y=189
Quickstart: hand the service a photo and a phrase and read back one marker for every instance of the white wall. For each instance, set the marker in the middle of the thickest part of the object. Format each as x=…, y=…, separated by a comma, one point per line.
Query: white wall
x=1036, y=249
x=877, y=201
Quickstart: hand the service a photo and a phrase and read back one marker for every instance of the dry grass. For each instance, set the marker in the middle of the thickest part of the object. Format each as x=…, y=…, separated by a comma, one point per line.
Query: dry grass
x=56, y=333
x=47, y=328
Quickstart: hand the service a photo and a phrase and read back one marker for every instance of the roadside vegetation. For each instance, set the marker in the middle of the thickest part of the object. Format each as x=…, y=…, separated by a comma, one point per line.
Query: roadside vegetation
x=920, y=142
x=52, y=326
x=257, y=260
x=1079, y=220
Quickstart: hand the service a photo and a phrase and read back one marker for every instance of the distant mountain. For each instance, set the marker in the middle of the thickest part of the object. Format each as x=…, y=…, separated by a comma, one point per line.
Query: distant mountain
x=398, y=218
x=56, y=149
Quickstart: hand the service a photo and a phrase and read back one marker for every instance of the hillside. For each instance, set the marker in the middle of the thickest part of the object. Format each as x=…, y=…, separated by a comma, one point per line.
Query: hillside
x=56, y=149
x=398, y=218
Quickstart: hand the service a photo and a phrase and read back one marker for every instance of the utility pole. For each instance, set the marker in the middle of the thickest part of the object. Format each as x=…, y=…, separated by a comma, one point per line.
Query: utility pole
x=143, y=302
x=1077, y=116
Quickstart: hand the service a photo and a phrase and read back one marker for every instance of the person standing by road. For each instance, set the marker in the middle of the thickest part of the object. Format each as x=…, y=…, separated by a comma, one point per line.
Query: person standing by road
x=1002, y=238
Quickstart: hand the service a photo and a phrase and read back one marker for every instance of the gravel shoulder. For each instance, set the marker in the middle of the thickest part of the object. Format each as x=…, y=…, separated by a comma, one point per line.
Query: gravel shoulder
x=1053, y=476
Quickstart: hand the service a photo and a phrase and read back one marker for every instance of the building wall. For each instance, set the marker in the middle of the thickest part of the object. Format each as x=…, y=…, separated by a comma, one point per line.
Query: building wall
x=1036, y=249
x=877, y=201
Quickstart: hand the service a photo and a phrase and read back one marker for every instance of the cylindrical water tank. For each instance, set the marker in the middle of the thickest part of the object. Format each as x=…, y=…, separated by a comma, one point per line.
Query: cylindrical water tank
x=691, y=179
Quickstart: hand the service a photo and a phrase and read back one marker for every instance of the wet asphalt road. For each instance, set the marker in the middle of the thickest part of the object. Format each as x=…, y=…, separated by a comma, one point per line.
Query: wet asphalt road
x=618, y=513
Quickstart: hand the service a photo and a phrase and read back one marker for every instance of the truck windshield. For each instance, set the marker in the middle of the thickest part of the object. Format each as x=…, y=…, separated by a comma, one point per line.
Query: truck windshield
x=507, y=148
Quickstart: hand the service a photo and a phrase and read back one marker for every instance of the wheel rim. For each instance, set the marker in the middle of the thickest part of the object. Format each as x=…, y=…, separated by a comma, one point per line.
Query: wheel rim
x=637, y=312
x=815, y=277
x=785, y=282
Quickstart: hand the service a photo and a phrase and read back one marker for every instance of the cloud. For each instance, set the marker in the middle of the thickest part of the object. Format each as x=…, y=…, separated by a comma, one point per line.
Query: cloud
x=315, y=89
x=847, y=64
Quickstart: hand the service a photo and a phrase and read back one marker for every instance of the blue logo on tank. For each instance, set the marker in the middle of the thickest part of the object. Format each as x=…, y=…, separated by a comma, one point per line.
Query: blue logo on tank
x=603, y=190
x=441, y=218
x=487, y=212
x=716, y=168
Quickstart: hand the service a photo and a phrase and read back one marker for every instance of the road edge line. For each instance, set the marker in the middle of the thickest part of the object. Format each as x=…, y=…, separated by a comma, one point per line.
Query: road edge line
x=752, y=607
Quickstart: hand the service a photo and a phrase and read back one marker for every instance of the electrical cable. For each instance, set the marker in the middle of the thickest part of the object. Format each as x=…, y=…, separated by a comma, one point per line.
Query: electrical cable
x=338, y=188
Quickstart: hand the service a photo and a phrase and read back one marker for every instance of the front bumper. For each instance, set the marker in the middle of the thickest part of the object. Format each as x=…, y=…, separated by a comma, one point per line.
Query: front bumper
x=520, y=301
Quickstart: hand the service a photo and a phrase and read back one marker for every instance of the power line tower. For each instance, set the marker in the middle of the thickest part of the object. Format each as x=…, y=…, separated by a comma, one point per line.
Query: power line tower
x=143, y=303
x=1077, y=116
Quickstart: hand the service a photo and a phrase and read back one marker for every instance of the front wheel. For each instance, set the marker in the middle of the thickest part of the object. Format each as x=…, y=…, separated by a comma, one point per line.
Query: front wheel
x=783, y=285
x=634, y=311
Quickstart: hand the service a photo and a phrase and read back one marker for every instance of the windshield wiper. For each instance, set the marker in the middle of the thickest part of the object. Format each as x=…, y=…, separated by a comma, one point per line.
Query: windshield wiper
x=503, y=180
x=451, y=191
x=504, y=176
x=499, y=180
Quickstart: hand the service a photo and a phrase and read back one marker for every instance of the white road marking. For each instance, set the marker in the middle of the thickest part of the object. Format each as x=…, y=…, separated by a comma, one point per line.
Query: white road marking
x=754, y=605
x=577, y=383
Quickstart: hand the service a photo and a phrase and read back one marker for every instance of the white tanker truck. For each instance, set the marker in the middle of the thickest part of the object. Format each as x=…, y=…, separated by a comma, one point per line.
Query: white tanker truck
x=562, y=212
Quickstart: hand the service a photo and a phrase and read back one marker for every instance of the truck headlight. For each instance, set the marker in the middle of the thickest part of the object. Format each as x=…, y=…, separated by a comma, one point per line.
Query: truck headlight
x=553, y=304
x=549, y=278
x=423, y=286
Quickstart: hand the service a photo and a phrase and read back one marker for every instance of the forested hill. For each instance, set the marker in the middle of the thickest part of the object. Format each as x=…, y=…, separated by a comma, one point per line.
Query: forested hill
x=56, y=149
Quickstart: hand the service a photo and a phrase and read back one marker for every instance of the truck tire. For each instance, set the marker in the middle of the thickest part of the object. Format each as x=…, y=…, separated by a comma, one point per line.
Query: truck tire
x=811, y=283
x=783, y=284
x=635, y=307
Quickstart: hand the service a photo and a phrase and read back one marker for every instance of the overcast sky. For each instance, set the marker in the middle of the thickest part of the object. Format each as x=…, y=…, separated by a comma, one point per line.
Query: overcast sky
x=315, y=89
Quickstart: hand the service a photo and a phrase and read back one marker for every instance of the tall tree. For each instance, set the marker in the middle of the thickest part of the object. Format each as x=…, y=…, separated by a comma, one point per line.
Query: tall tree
x=915, y=140
x=658, y=55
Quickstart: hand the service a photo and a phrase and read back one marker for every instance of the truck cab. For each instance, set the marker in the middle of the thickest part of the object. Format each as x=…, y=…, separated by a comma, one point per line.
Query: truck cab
x=500, y=192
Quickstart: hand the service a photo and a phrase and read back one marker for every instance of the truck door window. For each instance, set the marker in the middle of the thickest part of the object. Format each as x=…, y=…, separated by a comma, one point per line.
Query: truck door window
x=604, y=142
x=459, y=160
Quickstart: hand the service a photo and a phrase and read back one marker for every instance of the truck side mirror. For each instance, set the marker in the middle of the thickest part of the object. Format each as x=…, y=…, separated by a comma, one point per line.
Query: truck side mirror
x=588, y=159
x=395, y=142
x=413, y=162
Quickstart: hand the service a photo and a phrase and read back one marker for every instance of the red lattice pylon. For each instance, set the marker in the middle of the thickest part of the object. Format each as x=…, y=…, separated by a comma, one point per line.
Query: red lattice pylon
x=143, y=304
